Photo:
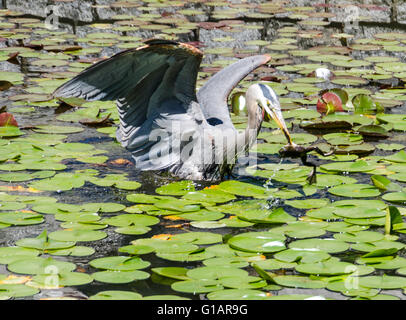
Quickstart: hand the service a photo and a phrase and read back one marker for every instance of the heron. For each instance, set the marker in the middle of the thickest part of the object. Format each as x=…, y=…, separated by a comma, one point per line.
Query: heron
x=167, y=124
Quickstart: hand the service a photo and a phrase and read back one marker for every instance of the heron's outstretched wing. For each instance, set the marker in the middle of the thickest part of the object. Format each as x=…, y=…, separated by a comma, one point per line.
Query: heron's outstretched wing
x=154, y=85
x=213, y=95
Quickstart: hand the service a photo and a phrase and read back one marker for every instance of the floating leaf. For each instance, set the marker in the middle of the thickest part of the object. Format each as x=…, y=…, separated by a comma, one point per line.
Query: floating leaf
x=355, y=190
x=265, y=242
x=119, y=276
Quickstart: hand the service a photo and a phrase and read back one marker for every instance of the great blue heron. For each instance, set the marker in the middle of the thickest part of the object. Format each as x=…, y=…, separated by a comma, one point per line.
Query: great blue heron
x=163, y=122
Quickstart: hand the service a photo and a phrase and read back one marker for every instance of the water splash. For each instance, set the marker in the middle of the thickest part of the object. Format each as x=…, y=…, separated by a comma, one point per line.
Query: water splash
x=271, y=201
x=268, y=183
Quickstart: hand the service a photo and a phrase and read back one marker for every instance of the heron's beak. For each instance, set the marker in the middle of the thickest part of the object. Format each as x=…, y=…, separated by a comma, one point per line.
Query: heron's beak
x=274, y=111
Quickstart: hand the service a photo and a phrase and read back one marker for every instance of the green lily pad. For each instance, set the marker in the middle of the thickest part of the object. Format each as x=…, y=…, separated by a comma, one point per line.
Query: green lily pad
x=355, y=190
x=301, y=229
x=10, y=131
x=302, y=256
x=237, y=294
x=63, y=279
x=202, y=215
x=37, y=265
x=197, y=286
x=265, y=242
x=357, y=166
x=359, y=212
x=119, y=263
x=179, y=188
x=10, y=254
x=299, y=282
x=209, y=195
x=77, y=235
x=215, y=272
x=242, y=189
x=19, y=218
x=42, y=242
x=198, y=237
x=327, y=268
x=315, y=245
x=116, y=295
x=166, y=246
x=76, y=251
x=236, y=262
x=177, y=205
x=361, y=236
x=331, y=180
x=350, y=287
x=307, y=204
x=57, y=129
x=119, y=277
x=383, y=282
x=397, y=197
x=125, y=220
x=17, y=290
x=177, y=273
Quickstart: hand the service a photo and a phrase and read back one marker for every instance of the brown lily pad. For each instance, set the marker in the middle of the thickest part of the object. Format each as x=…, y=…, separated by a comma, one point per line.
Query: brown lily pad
x=7, y=119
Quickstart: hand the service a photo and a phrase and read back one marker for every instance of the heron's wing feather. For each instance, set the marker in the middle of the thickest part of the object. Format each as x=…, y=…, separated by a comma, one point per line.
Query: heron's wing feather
x=119, y=75
x=213, y=95
x=153, y=86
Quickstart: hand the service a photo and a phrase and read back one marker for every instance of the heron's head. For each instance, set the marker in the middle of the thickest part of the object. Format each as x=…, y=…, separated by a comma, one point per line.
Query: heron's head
x=262, y=96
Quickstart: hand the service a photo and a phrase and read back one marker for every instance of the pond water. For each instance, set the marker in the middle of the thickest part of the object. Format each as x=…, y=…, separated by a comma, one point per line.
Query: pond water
x=78, y=221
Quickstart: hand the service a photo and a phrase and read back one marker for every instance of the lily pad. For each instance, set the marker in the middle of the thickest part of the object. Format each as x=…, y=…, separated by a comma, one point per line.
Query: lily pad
x=118, y=277
x=355, y=190
x=265, y=242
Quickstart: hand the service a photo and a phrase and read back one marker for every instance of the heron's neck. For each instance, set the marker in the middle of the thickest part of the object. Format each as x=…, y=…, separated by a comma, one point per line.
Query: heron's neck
x=248, y=137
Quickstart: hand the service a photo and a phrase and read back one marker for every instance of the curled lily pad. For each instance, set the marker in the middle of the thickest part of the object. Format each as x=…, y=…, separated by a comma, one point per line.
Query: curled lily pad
x=177, y=273
x=42, y=242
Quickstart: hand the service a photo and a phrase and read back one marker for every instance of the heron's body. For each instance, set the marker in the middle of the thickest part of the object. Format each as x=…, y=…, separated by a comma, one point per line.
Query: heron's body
x=163, y=122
